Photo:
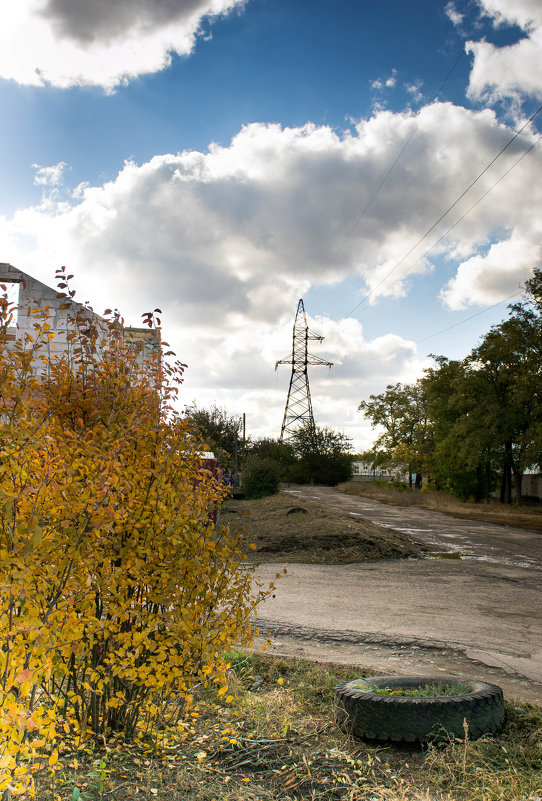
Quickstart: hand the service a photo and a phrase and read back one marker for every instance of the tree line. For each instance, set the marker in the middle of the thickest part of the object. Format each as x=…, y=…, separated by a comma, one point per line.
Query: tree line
x=471, y=426
x=317, y=455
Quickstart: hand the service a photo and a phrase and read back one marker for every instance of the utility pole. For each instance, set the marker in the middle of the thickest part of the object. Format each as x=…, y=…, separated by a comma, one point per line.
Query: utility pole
x=298, y=409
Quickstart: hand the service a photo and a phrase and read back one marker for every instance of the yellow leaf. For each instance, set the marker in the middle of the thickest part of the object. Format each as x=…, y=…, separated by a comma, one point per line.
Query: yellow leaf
x=53, y=759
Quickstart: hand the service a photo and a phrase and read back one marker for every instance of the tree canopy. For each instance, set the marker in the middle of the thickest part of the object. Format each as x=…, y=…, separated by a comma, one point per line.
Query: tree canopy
x=322, y=456
x=473, y=425
x=218, y=431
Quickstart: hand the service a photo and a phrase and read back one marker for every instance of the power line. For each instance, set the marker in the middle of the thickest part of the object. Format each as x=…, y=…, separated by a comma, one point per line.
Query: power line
x=483, y=311
x=367, y=205
x=445, y=234
x=449, y=328
x=488, y=308
x=444, y=214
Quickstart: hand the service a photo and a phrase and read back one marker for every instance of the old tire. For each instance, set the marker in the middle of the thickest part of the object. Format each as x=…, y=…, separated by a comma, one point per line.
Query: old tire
x=362, y=713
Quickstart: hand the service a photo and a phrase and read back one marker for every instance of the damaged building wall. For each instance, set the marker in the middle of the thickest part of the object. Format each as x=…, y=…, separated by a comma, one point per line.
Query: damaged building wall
x=33, y=294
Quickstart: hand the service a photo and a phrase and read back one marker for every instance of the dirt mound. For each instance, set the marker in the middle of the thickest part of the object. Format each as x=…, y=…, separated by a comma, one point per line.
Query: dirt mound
x=313, y=534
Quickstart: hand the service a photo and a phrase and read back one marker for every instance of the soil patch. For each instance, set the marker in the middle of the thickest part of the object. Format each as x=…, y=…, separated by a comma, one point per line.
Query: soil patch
x=312, y=533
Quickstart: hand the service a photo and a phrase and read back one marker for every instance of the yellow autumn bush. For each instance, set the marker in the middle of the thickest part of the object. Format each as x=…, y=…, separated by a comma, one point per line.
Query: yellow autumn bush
x=117, y=590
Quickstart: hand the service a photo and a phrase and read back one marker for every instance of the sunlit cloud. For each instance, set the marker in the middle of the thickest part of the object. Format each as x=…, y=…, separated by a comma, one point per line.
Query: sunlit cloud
x=65, y=43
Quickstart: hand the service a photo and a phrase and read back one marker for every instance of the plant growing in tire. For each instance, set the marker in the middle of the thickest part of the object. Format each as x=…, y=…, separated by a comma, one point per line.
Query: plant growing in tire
x=402, y=708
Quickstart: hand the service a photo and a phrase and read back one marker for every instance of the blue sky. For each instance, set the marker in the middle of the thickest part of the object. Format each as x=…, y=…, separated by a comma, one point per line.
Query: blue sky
x=221, y=159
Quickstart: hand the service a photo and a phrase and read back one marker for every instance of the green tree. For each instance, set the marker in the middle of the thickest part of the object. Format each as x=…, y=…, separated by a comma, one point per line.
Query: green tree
x=508, y=367
x=280, y=452
x=466, y=422
x=463, y=457
x=486, y=411
x=402, y=413
x=219, y=432
x=322, y=456
x=261, y=477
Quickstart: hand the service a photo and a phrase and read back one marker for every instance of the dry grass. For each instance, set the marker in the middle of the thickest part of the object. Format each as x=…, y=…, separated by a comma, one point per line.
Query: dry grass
x=277, y=741
x=316, y=534
x=493, y=512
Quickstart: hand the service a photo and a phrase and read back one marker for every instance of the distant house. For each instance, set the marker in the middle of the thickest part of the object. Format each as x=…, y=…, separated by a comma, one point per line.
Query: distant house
x=32, y=295
x=364, y=471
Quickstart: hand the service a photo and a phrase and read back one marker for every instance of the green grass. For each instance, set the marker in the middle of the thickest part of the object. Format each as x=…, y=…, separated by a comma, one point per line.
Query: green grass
x=423, y=691
x=277, y=740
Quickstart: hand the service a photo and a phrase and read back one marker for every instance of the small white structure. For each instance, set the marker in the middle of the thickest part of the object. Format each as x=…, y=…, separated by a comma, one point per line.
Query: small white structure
x=364, y=471
x=531, y=483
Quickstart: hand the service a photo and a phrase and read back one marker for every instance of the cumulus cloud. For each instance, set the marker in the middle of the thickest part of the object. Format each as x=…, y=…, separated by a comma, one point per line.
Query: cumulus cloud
x=226, y=241
x=504, y=72
x=414, y=89
x=455, y=17
x=76, y=42
x=525, y=13
x=49, y=176
x=255, y=222
x=385, y=83
x=496, y=274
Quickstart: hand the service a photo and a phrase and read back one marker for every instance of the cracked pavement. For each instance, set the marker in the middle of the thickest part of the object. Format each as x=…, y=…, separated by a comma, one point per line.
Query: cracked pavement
x=478, y=616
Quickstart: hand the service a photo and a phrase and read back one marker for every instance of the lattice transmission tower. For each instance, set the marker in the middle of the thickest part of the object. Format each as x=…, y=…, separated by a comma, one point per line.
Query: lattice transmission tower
x=298, y=410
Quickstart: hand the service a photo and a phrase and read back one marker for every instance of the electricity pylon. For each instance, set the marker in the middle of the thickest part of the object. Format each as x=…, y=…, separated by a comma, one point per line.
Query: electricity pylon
x=298, y=411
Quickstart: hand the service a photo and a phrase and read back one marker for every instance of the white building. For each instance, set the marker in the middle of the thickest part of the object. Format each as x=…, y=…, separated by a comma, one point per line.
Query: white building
x=30, y=296
x=364, y=471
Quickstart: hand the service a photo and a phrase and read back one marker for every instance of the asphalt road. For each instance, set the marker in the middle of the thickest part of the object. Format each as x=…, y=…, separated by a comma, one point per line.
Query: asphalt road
x=478, y=615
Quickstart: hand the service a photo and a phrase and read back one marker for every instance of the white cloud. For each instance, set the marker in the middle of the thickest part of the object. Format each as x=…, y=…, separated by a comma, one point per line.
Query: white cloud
x=225, y=242
x=49, y=176
x=385, y=83
x=96, y=42
x=415, y=90
x=455, y=17
x=525, y=13
x=497, y=274
x=254, y=223
x=392, y=80
x=503, y=72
